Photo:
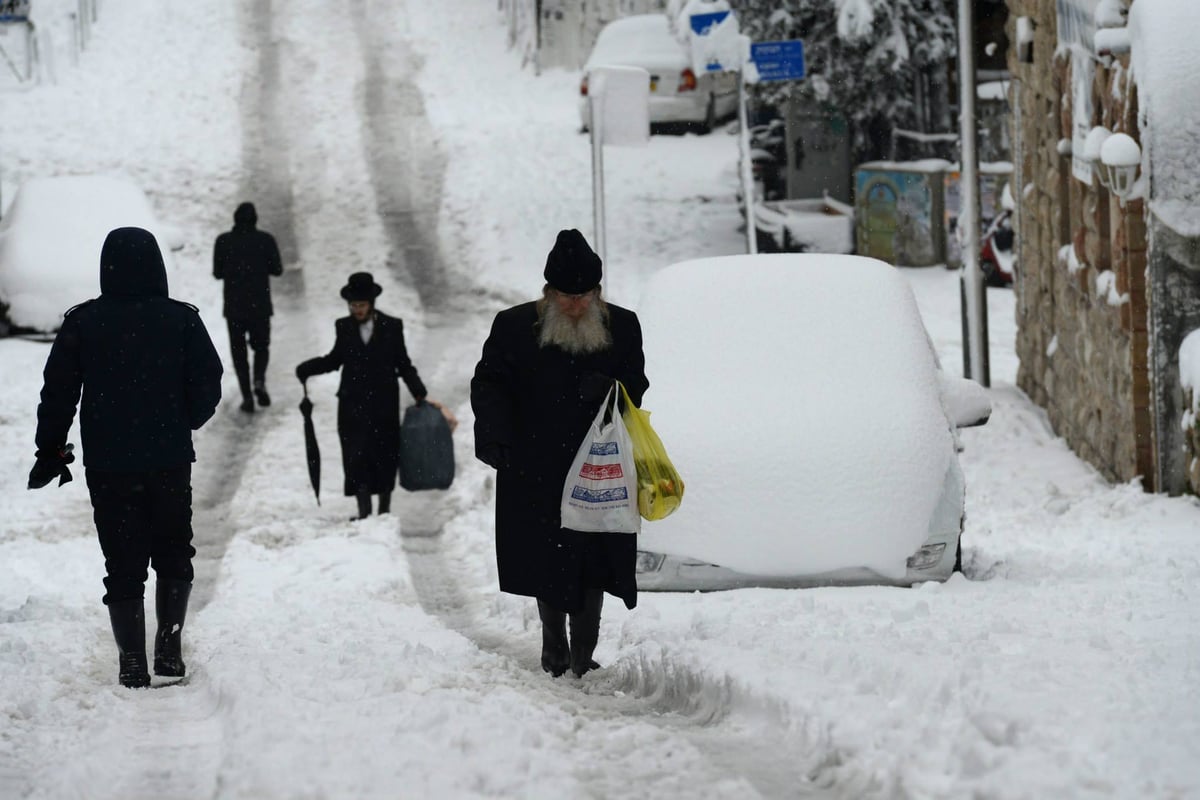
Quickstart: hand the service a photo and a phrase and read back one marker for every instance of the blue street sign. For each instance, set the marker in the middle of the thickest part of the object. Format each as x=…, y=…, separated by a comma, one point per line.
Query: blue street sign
x=701, y=23
x=14, y=11
x=779, y=61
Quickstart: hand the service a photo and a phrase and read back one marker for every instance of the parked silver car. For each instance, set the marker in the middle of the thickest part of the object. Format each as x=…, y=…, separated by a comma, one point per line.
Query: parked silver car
x=678, y=95
x=801, y=400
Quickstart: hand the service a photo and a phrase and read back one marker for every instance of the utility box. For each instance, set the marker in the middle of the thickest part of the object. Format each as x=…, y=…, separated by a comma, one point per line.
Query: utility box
x=899, y=210
x=818, y=154
x=906, y=212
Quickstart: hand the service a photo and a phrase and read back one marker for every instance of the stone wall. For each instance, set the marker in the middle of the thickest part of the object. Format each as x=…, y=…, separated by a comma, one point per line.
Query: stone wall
x=1081, y=283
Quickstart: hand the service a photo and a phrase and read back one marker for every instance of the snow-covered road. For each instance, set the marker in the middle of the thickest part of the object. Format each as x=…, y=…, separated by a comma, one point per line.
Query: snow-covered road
x=376, y=658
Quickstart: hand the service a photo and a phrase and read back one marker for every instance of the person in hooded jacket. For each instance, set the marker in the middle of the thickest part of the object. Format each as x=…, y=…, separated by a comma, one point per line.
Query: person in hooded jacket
x=546, y=367
x=245, y=258
x=369, y=349
x=149, y=376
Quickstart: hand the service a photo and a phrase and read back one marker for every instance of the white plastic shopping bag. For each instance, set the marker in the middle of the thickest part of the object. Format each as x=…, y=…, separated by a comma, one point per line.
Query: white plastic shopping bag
x=600, y=493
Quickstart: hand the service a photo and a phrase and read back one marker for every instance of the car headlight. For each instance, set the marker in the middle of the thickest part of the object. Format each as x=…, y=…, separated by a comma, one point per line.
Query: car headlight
x=928, y=556
x=649, y=562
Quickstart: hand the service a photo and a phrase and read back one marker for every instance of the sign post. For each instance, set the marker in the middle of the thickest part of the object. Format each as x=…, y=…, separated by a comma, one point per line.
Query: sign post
x=770, y=61
x=974, y=294
x=618, y=114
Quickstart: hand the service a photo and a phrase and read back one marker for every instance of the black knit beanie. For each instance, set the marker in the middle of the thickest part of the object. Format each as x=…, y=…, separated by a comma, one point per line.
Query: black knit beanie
x=572, y=267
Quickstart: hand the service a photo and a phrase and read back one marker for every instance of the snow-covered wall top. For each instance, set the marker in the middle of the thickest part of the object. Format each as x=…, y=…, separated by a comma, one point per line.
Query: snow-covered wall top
x=1165, y=64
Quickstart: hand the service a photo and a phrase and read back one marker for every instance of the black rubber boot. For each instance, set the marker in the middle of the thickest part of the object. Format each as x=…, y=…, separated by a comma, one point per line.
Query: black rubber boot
x=243, y=378
x=556, y=653
x=170, y=604
x=385, y=503
x=128, y=618
x=364, y=505
x=260, y=394
x=585, y=632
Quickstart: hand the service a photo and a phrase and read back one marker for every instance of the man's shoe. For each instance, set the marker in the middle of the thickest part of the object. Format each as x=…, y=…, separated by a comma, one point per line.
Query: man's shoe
x=260, y=394
x=248, y=405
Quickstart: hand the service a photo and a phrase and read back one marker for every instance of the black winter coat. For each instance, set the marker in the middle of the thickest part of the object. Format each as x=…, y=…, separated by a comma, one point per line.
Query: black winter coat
x=147, y=368
x=245, y=258
x=527, y=403
x=369, y=399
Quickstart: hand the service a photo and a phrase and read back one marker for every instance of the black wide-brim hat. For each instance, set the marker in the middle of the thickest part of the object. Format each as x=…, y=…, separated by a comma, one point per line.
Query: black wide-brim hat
x=361, y=286
x=572, y=267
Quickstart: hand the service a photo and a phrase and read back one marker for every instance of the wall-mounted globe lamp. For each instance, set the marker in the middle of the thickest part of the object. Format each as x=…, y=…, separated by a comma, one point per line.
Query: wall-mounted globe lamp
x=1121, y=156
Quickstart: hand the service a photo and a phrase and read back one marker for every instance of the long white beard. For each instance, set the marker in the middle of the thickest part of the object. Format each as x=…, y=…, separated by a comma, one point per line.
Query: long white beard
x=588, y=334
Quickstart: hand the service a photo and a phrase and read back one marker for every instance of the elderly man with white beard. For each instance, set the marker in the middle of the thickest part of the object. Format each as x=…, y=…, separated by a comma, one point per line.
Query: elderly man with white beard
x=546, y=367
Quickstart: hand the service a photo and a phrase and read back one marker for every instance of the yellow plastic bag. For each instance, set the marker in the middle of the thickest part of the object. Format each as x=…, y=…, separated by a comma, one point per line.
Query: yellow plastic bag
x=660, y=489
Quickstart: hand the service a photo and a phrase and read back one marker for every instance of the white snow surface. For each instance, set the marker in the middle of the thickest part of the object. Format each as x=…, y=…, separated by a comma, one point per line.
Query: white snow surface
x=377, y=658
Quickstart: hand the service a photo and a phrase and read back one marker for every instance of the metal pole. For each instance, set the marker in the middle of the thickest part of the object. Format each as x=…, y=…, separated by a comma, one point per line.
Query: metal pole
x=596, y=107
x=974, y=308
x=747, y=173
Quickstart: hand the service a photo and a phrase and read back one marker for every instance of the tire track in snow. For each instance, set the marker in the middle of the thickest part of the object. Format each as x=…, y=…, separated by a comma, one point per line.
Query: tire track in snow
x=170, y=743
x=406, y=175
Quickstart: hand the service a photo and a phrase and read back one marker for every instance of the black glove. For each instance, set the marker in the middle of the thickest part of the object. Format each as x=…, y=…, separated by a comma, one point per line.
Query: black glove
x=593, y=386
x=495, y=455
x=301, y=373
x=51, y=463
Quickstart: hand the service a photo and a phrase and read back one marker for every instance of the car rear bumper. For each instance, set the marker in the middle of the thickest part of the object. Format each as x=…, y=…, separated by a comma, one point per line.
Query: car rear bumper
x=663, y=109
x=663, y=573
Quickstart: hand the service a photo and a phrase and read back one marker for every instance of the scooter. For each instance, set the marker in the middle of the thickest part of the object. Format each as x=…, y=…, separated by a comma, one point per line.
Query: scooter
x=996, y=256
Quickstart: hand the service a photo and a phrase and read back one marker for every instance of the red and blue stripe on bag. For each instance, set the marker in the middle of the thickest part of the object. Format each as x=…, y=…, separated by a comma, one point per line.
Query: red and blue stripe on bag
x=601, y=472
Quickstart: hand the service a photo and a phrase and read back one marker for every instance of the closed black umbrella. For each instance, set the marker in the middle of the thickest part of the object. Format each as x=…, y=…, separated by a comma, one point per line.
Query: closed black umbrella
x=311, y=450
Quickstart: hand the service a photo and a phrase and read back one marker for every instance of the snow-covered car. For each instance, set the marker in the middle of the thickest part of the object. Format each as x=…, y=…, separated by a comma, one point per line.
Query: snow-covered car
x=802, y=402
x=50, y=240
x=677, y=94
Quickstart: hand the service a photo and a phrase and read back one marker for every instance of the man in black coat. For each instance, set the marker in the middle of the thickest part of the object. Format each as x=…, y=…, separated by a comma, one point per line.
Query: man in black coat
x=149, y=376
x=245, y=258
x=546, y=367
x=369, y=349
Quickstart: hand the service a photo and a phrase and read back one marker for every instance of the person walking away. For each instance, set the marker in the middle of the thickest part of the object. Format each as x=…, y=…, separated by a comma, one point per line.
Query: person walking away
x=149, y=376
x=245, y=258
x=546, y=367
x=369, y=349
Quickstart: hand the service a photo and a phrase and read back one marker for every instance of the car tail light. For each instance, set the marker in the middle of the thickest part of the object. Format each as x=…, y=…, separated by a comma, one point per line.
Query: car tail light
x=649, y=562
x=928, y=556
x=687, y=80
x=583, y=86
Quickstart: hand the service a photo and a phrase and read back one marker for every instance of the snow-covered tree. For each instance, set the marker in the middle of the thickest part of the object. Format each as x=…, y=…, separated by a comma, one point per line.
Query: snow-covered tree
x=864, y=58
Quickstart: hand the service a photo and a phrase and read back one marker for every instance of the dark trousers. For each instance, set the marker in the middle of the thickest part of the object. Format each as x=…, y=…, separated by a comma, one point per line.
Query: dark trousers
x=258, y=331
x=143, y=519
